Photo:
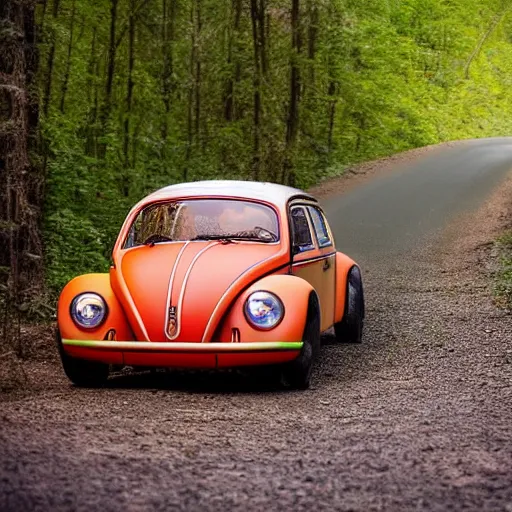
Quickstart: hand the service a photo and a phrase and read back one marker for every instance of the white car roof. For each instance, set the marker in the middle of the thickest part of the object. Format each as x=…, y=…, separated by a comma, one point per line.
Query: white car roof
x=271, y=192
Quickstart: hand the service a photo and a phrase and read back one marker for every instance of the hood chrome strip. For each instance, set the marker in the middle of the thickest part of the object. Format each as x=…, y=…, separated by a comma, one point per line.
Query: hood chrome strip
x=169, y=290
x=183, y=288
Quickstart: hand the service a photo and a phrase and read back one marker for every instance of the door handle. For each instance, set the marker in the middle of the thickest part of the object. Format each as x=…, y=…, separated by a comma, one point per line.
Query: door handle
x=327, y=265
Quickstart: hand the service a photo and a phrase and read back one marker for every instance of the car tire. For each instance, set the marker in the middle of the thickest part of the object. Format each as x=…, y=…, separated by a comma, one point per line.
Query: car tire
x=350, y=329
x=81, y=372
x=297, y=373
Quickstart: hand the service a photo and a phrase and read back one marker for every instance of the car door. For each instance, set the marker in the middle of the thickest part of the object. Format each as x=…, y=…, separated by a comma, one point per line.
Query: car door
x=325, y=243
x=314, y=261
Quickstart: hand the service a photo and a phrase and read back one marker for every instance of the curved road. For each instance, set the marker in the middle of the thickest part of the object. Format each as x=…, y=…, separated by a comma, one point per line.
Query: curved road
x=416, y=418
x=394, y=213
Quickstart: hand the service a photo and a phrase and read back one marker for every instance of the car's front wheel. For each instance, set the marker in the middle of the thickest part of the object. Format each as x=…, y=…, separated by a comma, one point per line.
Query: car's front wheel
x=83, y=373
x=297, y=373
x=350, y=329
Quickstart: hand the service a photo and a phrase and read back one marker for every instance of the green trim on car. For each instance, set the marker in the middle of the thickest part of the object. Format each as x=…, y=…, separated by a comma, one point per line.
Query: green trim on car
x=150, y=346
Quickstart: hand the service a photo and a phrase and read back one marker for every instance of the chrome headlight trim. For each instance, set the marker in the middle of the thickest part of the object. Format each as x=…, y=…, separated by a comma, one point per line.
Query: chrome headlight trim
x=88, y=310
x=264, y=310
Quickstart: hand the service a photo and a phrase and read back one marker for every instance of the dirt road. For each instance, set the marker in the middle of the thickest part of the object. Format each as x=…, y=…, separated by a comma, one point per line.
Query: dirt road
x=419, y=417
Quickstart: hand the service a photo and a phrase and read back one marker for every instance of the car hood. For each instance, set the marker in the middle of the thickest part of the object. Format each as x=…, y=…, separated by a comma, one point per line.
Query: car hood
x=179, y=291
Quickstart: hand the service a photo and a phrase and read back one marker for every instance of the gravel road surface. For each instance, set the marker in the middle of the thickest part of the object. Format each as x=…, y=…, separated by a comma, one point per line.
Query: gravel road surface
x=418, y=417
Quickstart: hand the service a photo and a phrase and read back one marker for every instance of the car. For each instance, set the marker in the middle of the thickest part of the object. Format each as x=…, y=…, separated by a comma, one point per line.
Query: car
x=213, y=274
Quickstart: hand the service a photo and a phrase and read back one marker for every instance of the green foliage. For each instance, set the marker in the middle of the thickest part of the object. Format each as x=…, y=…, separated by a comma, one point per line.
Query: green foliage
x=375, y=77
x=72, y=242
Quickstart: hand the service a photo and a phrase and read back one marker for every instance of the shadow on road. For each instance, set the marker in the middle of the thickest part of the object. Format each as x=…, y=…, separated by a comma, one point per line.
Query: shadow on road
x=243, y=380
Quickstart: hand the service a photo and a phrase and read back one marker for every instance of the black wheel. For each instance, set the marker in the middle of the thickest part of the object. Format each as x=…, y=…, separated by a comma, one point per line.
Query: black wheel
x=297, y=373
x=350, y=329
x=81, y=372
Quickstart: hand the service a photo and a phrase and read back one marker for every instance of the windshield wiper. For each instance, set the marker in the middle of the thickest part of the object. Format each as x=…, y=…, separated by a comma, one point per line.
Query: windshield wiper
x=154, y=239
x=225, y=239
x=229, y=238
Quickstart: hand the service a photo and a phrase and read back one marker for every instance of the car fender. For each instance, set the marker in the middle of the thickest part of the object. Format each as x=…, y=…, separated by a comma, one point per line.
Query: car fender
x=343, y=266
x=293, y=291
x=116, y=319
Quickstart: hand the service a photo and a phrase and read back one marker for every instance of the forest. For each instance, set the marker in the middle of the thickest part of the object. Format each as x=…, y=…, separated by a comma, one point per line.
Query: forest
x=102, y=102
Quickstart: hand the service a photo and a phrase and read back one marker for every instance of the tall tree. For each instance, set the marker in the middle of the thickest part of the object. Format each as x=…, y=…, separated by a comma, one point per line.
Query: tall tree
x=312, y=38
x=21, y=273
x=111, y=67
x=191, y=88
x=65, y=81
x=51, y=58
x=258, y=69
x=234, y=76
x=129, y=93
x=288, y=91
x=292, y=124
x=496, y=19
x=91, y=138
x=168, y=28
x=197, y=80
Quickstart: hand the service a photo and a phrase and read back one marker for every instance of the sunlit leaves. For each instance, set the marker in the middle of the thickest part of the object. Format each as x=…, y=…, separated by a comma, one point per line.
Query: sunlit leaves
x=383, y=76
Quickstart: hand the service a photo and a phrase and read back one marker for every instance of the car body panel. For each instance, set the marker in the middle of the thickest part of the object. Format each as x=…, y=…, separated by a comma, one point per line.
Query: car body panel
x=319, y=272
x=293, y=292
x=195, y=283
x=116, y=319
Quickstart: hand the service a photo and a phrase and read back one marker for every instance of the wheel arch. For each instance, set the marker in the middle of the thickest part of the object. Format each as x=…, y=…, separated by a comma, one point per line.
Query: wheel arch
x=116, y=319
x=294, y=292
x=344, y=269
x=314, y=305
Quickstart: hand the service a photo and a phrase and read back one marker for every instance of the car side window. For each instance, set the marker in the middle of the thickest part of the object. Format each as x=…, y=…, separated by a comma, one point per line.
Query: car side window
x=320, y=225
x=302, y=239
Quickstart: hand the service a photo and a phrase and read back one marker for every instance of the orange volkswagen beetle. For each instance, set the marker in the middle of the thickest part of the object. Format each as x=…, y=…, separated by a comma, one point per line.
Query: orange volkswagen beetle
x=213, y=274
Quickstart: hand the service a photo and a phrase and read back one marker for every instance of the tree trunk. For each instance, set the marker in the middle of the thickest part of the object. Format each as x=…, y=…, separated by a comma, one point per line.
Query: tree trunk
x=129, y=96
x=262, y=37
x=256, y=159
x=51, y=58
x=312, y=39
x=190, y=99
x=197, y=82
x=234, y=78
x=292, y=124
x=91, y=67
x=65, y=81
x=111, y=53
x=474, y=54
x=332, y=113
x=91, y=142
x=111, y=64
x=42, y=18
x=168, y=17
x=21, y=267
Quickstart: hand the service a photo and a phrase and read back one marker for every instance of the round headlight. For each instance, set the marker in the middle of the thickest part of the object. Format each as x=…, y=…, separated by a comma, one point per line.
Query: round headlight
x=264, y=310
x=88, y=310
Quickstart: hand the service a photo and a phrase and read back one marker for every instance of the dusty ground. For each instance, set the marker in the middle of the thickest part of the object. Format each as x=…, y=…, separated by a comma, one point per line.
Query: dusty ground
x=417, y=418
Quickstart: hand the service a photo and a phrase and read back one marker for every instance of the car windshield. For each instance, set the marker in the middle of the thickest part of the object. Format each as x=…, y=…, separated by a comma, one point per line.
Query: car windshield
x=204, y=219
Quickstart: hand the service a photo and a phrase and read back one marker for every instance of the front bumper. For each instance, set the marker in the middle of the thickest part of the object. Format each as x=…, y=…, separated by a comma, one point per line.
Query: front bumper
x=183, y=355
